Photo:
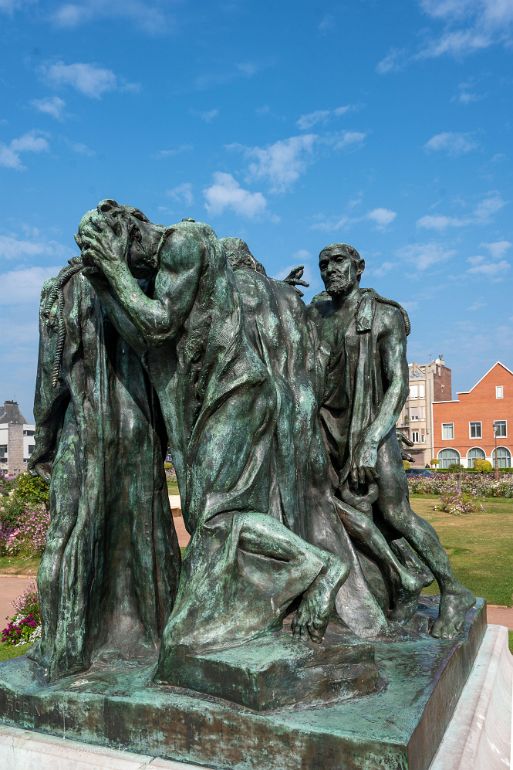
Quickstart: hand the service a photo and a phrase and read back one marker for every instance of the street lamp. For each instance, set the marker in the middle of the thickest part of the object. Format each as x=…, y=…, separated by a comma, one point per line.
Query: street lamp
x=495, y=460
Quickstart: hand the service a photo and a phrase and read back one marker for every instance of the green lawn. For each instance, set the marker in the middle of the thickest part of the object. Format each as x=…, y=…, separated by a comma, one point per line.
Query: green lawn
x=18, y=565
x=480, y=545
x=172, y=488
x=7, y=651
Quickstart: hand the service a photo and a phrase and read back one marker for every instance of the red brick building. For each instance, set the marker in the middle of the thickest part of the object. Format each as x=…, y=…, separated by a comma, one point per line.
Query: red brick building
x=478, y=423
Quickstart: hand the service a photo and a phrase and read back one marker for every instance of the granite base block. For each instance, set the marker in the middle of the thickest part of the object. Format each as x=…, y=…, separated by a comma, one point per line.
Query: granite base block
x=479, y=736
x=397, y=728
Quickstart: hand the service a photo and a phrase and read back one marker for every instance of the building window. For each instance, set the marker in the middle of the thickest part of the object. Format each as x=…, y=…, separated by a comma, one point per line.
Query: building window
x=28, y=432
x=415, y=437
x=475, y=430
x=503, y=457
x=448, y=457
x=475, y=454
x=414, y=391
x=499, y=391
x=3, y=451
x=501, y=428
x=447, y=430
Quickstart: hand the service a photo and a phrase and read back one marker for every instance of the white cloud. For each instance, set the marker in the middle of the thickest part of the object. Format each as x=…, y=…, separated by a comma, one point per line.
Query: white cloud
x=88, y=79
x=489, y=206
x=182, y=193
x=459, y=43
x=145, y=15
x=226, y=193
x=382, y=217
x=244, y=69
x=209, y=115
x=440, y=222
x=12, y=248
x=311, y=119
x=327, y=23
x=482, y=213
x=24, y=286
x=344, y=139
x=382, y=269
x=51, y=105
x=470, y=25
x=451, y=142
x=82, y=149
x=32, y=141
x=331, y=224
x=9, y=6
x=392, y=62
x=170, y=152
x=422, y=256
x=497, y=249
x=466, y=93
x=482, y=266
x=283, y=162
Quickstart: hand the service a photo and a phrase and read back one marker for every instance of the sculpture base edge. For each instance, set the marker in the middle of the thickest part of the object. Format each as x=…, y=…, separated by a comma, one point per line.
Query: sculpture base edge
x=400, y=726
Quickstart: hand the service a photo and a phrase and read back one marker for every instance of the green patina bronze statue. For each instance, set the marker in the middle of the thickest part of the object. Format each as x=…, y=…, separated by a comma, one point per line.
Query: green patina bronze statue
x=366, y=387
x=291, y=633
x=280, y=420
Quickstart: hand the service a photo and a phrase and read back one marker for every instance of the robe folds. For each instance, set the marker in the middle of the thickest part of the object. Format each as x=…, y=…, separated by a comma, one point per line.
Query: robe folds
x=110, y=569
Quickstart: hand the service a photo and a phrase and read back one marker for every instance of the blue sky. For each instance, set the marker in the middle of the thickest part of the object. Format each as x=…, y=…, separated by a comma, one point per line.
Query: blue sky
x=291, y=125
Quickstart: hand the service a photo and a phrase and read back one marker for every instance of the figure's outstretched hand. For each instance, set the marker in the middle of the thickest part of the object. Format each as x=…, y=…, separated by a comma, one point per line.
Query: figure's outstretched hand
x=363, y=465
x=295, y=277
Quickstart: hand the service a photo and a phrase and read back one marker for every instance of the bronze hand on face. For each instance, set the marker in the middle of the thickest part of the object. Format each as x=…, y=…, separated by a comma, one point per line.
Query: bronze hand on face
x=104, y=239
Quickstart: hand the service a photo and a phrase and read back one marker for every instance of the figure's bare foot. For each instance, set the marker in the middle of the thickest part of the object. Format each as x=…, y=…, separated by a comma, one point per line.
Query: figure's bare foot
x=406, y=590
x=313, y=613
x=454, y=605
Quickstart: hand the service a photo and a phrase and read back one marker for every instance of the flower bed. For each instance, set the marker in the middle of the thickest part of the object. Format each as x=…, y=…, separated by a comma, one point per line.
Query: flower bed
x=466, y=483
x=25, y=626
x=24, y=516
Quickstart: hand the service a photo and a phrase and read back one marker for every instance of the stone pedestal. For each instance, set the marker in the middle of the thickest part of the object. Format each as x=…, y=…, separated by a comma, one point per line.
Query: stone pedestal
x=479, y=736
x=398, y=728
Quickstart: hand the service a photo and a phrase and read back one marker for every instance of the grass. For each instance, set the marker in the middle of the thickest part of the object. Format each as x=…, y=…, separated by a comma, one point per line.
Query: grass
x=19, y=565
x=7, y=651
x=480, y=545
x=172, y=488
x=510, y=634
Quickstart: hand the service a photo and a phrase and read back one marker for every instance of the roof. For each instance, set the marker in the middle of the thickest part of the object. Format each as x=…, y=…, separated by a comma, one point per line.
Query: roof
x=497, y=363
x=464, y=392
x=10, y=412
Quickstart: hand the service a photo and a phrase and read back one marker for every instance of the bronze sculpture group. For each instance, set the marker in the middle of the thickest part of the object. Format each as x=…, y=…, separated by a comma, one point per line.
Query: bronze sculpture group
x=280, y=420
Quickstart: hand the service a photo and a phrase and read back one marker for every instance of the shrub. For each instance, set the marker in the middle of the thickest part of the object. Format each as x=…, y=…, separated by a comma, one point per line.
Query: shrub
x=25, y=626
x=24, y=516
x=483, y=466
x=28, y=535
x=458, y=504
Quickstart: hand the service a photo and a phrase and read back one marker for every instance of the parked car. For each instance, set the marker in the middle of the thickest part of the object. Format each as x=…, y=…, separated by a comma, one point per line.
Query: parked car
x=425, y=472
